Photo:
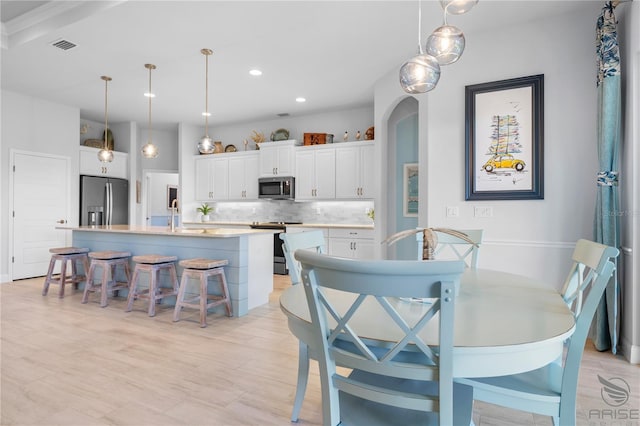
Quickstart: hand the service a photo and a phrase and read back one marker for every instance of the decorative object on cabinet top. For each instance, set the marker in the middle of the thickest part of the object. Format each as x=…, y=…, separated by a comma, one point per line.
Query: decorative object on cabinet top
x=280, y=135
x=369, y=134
x=317, y=138
x=217, y=147
x=230, y=148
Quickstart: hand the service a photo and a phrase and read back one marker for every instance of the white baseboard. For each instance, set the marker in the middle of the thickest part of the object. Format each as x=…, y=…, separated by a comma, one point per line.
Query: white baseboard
x=630, y=352
x=5, y=278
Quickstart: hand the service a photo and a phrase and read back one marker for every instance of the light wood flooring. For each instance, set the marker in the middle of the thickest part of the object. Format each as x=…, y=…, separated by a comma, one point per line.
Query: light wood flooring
x=65, y=363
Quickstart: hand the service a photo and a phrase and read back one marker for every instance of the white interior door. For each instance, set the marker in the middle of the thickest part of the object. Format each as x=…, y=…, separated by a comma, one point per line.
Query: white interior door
x=40, y=203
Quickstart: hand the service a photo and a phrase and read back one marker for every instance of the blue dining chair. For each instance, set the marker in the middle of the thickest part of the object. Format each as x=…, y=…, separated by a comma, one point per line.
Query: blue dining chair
x=308, y=240
x=453, y=247
x=552, y=389
x=407, y=381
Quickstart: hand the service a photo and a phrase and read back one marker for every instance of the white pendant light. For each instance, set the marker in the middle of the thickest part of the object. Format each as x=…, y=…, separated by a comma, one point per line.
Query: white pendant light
x=105, y=155
x=149, y=150
x=205, y=145
x=421, y=73
x=457, y=7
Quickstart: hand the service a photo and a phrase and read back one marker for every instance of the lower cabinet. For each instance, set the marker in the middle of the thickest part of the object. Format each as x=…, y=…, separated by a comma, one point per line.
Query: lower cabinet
x=352, y=243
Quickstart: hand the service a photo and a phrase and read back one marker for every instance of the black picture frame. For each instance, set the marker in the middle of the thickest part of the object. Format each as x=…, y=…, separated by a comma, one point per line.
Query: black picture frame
x=504, y=139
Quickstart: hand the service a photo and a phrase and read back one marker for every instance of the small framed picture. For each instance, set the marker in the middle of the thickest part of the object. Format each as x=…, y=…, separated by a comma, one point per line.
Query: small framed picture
x=410, y=192
x=504, y=139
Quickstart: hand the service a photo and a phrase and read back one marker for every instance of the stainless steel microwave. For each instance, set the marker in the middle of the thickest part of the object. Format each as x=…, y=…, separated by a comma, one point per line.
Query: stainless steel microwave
x=277, y=188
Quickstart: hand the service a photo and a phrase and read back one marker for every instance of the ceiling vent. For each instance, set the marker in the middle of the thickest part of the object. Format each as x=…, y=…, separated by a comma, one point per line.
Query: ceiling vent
x=283, y=114
x=63, y=44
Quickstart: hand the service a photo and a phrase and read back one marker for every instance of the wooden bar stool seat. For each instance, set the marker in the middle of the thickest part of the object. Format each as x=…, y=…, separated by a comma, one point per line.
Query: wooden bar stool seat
x=202, y=269
x=65, y=255
x=153, y=264
x=109, y=261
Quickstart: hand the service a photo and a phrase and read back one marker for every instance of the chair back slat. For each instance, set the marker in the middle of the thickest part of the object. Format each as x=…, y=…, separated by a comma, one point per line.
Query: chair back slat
x=589, y=259
x=342, y=293
x=292, y=241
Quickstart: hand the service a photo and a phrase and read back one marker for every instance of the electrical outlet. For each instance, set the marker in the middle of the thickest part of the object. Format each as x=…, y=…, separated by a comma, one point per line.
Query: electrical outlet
x=483, y=211
x=452, y=211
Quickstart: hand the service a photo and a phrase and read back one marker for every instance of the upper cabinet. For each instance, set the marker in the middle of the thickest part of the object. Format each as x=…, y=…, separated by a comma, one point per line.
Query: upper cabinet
x=277, y=158
x=232, y=176
x=354, y=170
x=243, y=176
x=90, y=165
x=315, y=172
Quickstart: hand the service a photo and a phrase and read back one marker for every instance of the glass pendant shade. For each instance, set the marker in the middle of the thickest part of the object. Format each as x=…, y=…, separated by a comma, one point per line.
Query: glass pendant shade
x=457, y=7
x=419, y=74
x=446, y=44
x=105, y=156
x=149, y=150
x=205, y=145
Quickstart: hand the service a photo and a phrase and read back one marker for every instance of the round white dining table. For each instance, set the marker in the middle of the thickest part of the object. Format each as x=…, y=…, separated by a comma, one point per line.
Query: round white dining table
x=504, y=323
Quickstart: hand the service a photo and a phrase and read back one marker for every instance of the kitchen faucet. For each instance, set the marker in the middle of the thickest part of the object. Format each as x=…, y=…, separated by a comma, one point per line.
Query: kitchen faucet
x=174, y=208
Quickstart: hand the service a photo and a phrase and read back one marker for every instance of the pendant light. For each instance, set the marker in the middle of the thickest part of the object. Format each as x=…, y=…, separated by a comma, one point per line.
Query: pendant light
x=421, y=73
x=446, y=43
x=457, y=7
x=205, y=145
x=105, y=155
x=149, y=150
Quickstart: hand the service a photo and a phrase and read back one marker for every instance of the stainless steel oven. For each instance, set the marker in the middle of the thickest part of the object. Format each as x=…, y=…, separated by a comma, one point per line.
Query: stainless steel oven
x=279, y=261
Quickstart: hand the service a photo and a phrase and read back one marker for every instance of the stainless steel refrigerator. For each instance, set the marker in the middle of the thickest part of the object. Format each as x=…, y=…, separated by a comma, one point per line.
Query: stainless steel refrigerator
x=104, y=201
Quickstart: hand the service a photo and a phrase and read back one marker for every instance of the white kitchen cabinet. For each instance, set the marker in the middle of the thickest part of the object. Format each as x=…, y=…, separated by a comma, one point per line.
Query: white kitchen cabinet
x=355, y=170
x=232, y=176
x=315, y=173
x=243, y=176
x=90, y=165
x=351, y=242
x=211, y=178
x=277, y=158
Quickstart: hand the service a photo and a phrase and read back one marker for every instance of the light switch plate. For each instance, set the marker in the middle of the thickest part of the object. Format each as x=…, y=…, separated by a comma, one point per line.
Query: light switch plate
x=483, y=211
x=453, y=211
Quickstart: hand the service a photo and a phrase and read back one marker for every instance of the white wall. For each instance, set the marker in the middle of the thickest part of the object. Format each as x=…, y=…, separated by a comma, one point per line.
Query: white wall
x=36, y=125
x=335, y=122
x=521, y=235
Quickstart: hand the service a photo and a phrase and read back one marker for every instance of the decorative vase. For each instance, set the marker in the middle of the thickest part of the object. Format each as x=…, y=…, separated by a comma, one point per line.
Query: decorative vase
x=217, y=147
x=206, y=218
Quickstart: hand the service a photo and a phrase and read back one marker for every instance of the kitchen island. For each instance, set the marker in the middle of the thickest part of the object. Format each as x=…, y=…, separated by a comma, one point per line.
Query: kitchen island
x=249, y=252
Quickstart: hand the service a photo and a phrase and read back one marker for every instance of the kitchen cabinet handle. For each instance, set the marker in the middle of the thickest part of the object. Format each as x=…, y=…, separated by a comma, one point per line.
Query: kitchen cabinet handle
x=61, y=221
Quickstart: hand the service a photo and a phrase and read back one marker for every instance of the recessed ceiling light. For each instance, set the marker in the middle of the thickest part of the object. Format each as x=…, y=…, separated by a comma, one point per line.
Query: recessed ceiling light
x=150, y=95
x=255, y=72
x=300, y=99
x=206, y=114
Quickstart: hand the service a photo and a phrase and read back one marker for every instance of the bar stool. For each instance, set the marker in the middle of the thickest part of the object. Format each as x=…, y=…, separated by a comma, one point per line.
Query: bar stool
x=153, y=264
x=64, y=255
x=109, y=261
x=202, y=269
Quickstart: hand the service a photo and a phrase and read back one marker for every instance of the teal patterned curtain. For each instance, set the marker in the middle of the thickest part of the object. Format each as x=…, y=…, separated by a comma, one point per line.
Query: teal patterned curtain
x=606, y=229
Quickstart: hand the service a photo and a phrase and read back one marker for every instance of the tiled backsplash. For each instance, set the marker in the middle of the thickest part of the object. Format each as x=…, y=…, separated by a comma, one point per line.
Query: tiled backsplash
x=333, y=212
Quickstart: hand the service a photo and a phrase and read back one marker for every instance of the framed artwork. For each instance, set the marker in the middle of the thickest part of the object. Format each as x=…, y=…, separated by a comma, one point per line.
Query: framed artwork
x=172, y=194
x=504, y=135
x=410, y=189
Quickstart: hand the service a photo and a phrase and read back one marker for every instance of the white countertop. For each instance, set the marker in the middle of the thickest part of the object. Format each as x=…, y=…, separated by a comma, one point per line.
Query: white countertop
x=164, y=230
